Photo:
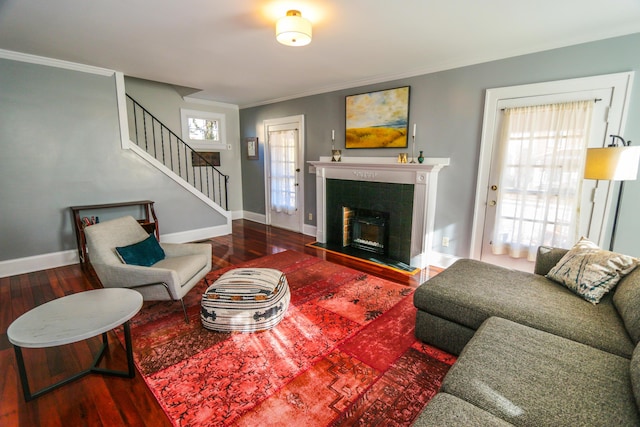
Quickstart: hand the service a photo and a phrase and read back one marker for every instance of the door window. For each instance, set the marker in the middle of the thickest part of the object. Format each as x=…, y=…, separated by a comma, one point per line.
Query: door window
x=282, y=146
x=542, y=151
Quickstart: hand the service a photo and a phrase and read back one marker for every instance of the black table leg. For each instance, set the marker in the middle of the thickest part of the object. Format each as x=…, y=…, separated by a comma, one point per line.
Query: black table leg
x=129, y=345
x=129, y=373
x=131, y=369
x=23, y=373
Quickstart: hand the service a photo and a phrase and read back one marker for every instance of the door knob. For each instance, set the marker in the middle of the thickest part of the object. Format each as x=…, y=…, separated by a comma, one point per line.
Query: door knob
x=298, y=170
x=494, y=187
x=492, y=203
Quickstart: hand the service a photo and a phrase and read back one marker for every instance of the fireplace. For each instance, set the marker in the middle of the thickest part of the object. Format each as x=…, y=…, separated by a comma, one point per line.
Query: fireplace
x=375, y=204
x=380, y=185
x=366, y=230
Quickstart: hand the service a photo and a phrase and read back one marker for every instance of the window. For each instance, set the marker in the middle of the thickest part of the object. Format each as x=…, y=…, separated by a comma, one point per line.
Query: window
x=203, y=130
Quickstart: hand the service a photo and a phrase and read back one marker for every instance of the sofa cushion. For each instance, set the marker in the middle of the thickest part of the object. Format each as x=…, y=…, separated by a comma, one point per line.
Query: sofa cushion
x=635, y=374
x=627, y=300
x=447, y=410
x=546, y=258
x=530, y=377
x=186, y=266
x=470, y=291
x=444, y=334
x=591, y=272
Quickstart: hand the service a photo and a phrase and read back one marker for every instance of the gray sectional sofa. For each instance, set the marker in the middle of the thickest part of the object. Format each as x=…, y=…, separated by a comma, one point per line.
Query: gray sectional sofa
x=531, y=352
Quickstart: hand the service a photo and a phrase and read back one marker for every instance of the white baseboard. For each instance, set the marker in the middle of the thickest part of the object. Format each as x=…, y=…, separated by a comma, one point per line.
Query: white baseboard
x=309, y=230
x=237, y=215
x=196, y=235
x=441, y=260
x=16, y=266
x=255, y=217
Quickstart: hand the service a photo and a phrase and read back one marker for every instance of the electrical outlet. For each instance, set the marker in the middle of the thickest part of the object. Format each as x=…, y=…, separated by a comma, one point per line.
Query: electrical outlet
x=445, y=241
x=310, y=217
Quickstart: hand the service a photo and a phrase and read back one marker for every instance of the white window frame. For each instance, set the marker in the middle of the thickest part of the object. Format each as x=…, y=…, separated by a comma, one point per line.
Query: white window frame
x=200, y=145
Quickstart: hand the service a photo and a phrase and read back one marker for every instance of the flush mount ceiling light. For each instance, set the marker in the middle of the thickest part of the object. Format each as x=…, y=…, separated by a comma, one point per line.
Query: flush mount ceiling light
x=293, y=29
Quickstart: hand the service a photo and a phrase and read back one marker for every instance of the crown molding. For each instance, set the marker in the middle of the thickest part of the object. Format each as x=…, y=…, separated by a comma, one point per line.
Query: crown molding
x=58, y=63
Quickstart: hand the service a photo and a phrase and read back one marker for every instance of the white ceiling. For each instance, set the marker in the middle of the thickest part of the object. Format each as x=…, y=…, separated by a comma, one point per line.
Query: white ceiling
x=227, y=48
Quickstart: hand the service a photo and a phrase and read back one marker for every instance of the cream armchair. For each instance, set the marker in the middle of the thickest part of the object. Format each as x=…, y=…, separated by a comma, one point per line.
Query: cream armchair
x=171, y=278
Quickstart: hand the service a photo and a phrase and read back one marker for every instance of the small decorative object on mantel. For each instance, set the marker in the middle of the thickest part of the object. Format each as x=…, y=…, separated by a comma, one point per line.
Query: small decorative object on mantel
x=402, y=157
x=336, y=155
x=420, y=157
x=252, y=148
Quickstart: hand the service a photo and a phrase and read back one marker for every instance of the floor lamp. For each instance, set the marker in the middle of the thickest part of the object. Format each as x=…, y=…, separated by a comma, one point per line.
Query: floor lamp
x=613, y=163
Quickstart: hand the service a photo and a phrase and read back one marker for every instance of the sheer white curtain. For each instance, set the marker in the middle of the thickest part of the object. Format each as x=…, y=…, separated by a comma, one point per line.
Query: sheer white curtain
x=282, y=154
x=542, y=150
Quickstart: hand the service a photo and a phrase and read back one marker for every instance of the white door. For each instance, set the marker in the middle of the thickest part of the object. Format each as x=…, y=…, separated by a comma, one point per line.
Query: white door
x=284, y=173
x=517, y=209
x=596, y=201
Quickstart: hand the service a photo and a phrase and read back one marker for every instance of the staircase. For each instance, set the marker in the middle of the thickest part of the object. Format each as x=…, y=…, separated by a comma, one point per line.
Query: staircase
x=156, y=139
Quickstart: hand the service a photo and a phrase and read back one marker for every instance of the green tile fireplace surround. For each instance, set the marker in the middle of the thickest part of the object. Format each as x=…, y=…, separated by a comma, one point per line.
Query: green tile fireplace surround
x=395, y=199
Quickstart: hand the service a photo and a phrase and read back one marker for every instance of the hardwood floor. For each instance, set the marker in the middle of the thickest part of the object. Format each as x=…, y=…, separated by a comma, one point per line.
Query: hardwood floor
x=109, y=401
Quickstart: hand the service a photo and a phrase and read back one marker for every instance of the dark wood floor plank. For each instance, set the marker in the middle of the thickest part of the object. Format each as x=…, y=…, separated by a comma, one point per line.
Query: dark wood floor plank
x=107, y=401
x=9, y=393
x=6, y=314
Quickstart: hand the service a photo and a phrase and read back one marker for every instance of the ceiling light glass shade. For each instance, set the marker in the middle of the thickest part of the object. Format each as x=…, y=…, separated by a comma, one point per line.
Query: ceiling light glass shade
x=293, y=29
x=612, y=163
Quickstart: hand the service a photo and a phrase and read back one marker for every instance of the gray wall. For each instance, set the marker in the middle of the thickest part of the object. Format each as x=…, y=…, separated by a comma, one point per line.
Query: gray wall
x=448, y=107
x=60, y=147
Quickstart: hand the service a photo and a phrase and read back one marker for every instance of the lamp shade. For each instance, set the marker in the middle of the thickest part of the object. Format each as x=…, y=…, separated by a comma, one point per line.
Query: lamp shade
x=293, y=29
x=612, y=163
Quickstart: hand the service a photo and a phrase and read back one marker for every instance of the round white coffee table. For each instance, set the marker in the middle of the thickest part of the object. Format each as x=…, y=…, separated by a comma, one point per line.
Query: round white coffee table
x=74, y=318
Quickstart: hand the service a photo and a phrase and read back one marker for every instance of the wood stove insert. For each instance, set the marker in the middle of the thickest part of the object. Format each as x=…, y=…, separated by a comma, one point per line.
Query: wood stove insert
x=366, y=230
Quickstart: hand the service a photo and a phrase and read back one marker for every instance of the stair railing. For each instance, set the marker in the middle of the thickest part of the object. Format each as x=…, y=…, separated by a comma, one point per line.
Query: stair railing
x=164, y=145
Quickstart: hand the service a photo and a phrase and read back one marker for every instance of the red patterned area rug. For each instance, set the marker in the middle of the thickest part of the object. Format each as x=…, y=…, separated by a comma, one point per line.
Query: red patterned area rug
x=345, y=354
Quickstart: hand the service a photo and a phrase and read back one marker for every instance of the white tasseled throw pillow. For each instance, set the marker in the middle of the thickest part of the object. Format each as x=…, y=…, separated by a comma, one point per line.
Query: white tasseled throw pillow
x=591, y=272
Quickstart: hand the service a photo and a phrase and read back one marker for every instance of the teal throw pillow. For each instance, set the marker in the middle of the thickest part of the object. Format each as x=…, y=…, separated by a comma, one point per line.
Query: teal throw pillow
x=144, y=253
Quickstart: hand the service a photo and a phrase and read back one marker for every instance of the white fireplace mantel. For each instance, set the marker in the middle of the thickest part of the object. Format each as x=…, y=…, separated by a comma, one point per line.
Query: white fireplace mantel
x=424, y=177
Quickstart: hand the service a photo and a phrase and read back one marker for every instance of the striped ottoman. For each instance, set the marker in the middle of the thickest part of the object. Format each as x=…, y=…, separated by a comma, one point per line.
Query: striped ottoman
x=245, y=300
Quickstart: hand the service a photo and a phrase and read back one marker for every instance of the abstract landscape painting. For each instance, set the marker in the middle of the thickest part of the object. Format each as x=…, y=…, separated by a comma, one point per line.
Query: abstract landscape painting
x=377, y=119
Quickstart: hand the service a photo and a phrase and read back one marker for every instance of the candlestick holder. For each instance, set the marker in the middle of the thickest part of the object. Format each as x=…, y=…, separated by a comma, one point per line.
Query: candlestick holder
x=413, y=150
x=336, y=155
